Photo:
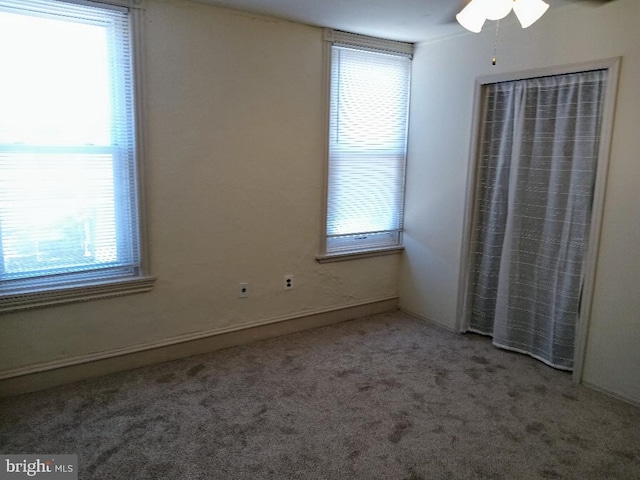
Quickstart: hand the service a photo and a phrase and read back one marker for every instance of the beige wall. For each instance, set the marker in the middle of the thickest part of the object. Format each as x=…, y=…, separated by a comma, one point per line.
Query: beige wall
x=441, y=118
x=234, y=175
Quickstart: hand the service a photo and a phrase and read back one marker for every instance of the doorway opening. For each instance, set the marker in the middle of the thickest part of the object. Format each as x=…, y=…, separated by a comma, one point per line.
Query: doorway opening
x=534, y=210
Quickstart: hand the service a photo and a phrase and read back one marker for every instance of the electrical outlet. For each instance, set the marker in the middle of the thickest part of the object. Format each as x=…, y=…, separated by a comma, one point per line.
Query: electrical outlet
x=243, y=290
x=288, y=282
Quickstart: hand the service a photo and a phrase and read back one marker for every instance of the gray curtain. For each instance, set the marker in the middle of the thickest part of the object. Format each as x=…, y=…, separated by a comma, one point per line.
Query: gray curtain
x=532, y=213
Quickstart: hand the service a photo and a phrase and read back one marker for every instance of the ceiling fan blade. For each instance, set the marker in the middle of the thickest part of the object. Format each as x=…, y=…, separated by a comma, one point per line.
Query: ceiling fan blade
x=455, y=9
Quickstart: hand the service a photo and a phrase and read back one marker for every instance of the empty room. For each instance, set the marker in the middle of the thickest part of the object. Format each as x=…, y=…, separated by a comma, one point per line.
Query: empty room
x=301, y=239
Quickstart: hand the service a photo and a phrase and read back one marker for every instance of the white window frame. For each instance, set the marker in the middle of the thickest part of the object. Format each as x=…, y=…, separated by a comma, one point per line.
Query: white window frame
x=351, y=249
x=26, y=297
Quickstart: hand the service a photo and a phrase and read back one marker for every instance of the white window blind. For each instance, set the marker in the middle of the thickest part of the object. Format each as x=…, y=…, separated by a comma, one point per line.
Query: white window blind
x=367, y=148
x=68, y=201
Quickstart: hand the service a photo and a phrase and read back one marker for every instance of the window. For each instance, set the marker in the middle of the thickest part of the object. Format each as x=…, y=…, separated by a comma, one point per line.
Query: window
x=69, y=205
x=368, y=115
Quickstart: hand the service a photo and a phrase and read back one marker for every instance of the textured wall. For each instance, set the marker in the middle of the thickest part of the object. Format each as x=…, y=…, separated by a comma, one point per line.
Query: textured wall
x=234, y=176
x=442, y=110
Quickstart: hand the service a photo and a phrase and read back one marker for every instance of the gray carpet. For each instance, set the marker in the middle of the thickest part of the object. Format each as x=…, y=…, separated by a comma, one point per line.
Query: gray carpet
x=383, y=397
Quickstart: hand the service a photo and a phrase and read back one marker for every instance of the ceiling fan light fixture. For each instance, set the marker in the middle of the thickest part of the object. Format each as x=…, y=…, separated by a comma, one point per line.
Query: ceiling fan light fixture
x=472, y=17
x=529, y=11
x=496, y=9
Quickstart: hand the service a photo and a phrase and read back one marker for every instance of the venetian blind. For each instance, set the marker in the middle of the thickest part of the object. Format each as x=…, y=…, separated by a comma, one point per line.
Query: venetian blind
x=68, y=205
x=367, y=148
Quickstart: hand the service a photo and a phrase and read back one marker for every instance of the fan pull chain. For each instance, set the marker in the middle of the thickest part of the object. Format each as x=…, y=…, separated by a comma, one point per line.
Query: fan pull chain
x=495, y=44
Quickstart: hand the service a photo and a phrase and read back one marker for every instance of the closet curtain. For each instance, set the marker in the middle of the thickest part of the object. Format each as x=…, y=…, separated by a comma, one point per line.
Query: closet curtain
x=534, y=198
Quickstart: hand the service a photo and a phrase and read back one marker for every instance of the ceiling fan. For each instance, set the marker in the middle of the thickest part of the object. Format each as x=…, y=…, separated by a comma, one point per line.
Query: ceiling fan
x=474, y=13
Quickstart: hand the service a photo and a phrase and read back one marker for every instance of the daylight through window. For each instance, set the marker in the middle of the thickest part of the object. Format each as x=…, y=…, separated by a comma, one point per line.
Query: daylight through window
x=68, y=187
x=367, y=148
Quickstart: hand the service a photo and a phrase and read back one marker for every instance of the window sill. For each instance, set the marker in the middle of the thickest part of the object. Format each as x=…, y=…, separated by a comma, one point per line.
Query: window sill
x=15, y=301
x=343, y=256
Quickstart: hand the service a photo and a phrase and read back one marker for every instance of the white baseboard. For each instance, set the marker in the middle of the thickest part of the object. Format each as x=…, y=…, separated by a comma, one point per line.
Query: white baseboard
x=430, y=320
x=60, y=372
x=624, y=398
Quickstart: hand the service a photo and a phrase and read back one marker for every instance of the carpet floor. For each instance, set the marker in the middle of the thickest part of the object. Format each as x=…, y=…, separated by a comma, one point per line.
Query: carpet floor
x=382, y=397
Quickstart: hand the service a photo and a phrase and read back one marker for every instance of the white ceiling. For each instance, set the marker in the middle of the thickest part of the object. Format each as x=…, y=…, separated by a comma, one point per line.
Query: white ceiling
x=406, y=20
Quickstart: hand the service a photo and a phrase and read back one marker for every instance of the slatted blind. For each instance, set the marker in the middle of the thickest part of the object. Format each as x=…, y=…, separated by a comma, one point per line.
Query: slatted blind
x=367, y=148
x=68, y=205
